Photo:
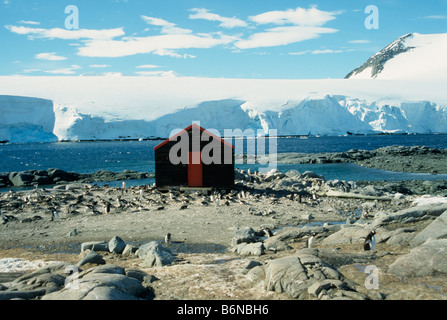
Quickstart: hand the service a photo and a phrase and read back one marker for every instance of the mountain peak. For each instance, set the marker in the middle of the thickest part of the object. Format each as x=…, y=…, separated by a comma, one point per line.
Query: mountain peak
x=410, y=56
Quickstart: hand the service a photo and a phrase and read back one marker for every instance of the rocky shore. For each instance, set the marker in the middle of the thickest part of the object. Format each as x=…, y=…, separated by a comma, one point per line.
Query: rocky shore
x=56, y=177
x=249, y=243
x=416, y=159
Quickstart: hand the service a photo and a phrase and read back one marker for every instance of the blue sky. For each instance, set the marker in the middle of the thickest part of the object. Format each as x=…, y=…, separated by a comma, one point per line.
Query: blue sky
x=254, y=39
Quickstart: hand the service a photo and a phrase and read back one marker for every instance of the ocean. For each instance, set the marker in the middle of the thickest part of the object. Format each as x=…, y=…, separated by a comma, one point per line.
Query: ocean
x=89, y=157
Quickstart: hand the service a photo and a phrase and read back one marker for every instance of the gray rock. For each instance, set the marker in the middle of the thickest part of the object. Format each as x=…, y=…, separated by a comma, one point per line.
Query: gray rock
x=91, y=257
x=21, y=179
x=154, y=254
x=427, y=259
x=295, y=274
x=26, y=295
x=246, y=249
x=275, y=244
x=116, y=245
x=99, y=286
x=244, y=235
x=413, y=214
x=351, y=234
x=94, y=246
x=436, y=230
x=327, y=284
x=129, y=250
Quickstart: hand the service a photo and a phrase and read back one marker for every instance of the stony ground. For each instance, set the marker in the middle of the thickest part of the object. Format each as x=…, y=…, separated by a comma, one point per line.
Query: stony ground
x=51, y=225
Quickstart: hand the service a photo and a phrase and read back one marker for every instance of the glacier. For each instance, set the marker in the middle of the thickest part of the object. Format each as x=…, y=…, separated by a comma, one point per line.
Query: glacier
x=47, y=109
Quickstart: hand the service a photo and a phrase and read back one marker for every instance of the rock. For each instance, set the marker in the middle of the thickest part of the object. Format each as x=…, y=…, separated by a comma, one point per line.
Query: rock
x=294, y=233
x=116, y=245
x=21, y=179
x=413, y=214
x=244, y=235
x=428, y=259
x=436, y=230
x=351, y=234
x=75, y=186
x=294, y=275
x=251, y=264
x=97, y=285
x=129, y=250
x=72, y=233
x=91, y=257
x=275, y=244
x=311, y=175
x=327, y=284
x=246, y=249
x=94, y=246
x=154, y=254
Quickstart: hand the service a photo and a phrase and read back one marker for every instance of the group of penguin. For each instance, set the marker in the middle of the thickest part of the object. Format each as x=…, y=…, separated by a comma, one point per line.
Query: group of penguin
x=368, y=245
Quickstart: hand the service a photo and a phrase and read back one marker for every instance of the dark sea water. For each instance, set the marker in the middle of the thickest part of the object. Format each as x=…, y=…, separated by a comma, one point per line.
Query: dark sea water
x=88, y=157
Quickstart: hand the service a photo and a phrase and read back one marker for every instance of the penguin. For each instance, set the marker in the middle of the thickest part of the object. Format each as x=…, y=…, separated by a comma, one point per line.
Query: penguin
x=370, y=241
x=168, y=238
x=107, y=208
x=268, y=233
x=311, y=240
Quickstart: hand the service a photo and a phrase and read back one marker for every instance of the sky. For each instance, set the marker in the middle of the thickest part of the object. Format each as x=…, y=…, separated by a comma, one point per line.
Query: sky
x=243, y=39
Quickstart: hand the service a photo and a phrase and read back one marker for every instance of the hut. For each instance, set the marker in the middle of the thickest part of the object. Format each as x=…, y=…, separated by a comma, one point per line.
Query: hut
x=194, y=158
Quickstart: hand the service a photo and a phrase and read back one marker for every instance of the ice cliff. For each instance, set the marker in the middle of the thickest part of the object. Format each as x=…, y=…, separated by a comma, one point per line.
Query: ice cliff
x=24, y=119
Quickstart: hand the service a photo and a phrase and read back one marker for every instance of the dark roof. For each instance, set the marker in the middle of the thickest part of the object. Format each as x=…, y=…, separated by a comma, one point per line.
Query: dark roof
x=189, y=128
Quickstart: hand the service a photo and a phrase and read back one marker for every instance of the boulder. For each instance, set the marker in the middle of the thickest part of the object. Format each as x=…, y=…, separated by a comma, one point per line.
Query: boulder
x=246, y=249
x=94, y=246
x=244, y=235
x=22, y=179
x=91, y=257
x=427, y=259
x=350, y=234
x=413, y=214
x=97, y=285
x=117, y=245
x=436, y=230
x=303, y=275
x=154, y=254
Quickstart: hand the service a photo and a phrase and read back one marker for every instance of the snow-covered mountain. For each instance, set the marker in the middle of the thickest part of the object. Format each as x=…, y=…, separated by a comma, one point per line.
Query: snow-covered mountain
x=412, y=56
x=400, y=89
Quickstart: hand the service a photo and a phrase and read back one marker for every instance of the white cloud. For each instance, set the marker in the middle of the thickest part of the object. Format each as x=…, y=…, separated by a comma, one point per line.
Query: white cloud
x=29, y=22
x=169, y=74
x=58, y=33
x=299, y=17
x=161, y=45
x=436, y=17
x=319, y=51
x=359, y=41
x=50, y=56
x=99, y=66
x=205, y=14
x=147, y=66
x=31, y=70
x=69, y=70
x=166, y=26
x=282, y=36
x=294, y=25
